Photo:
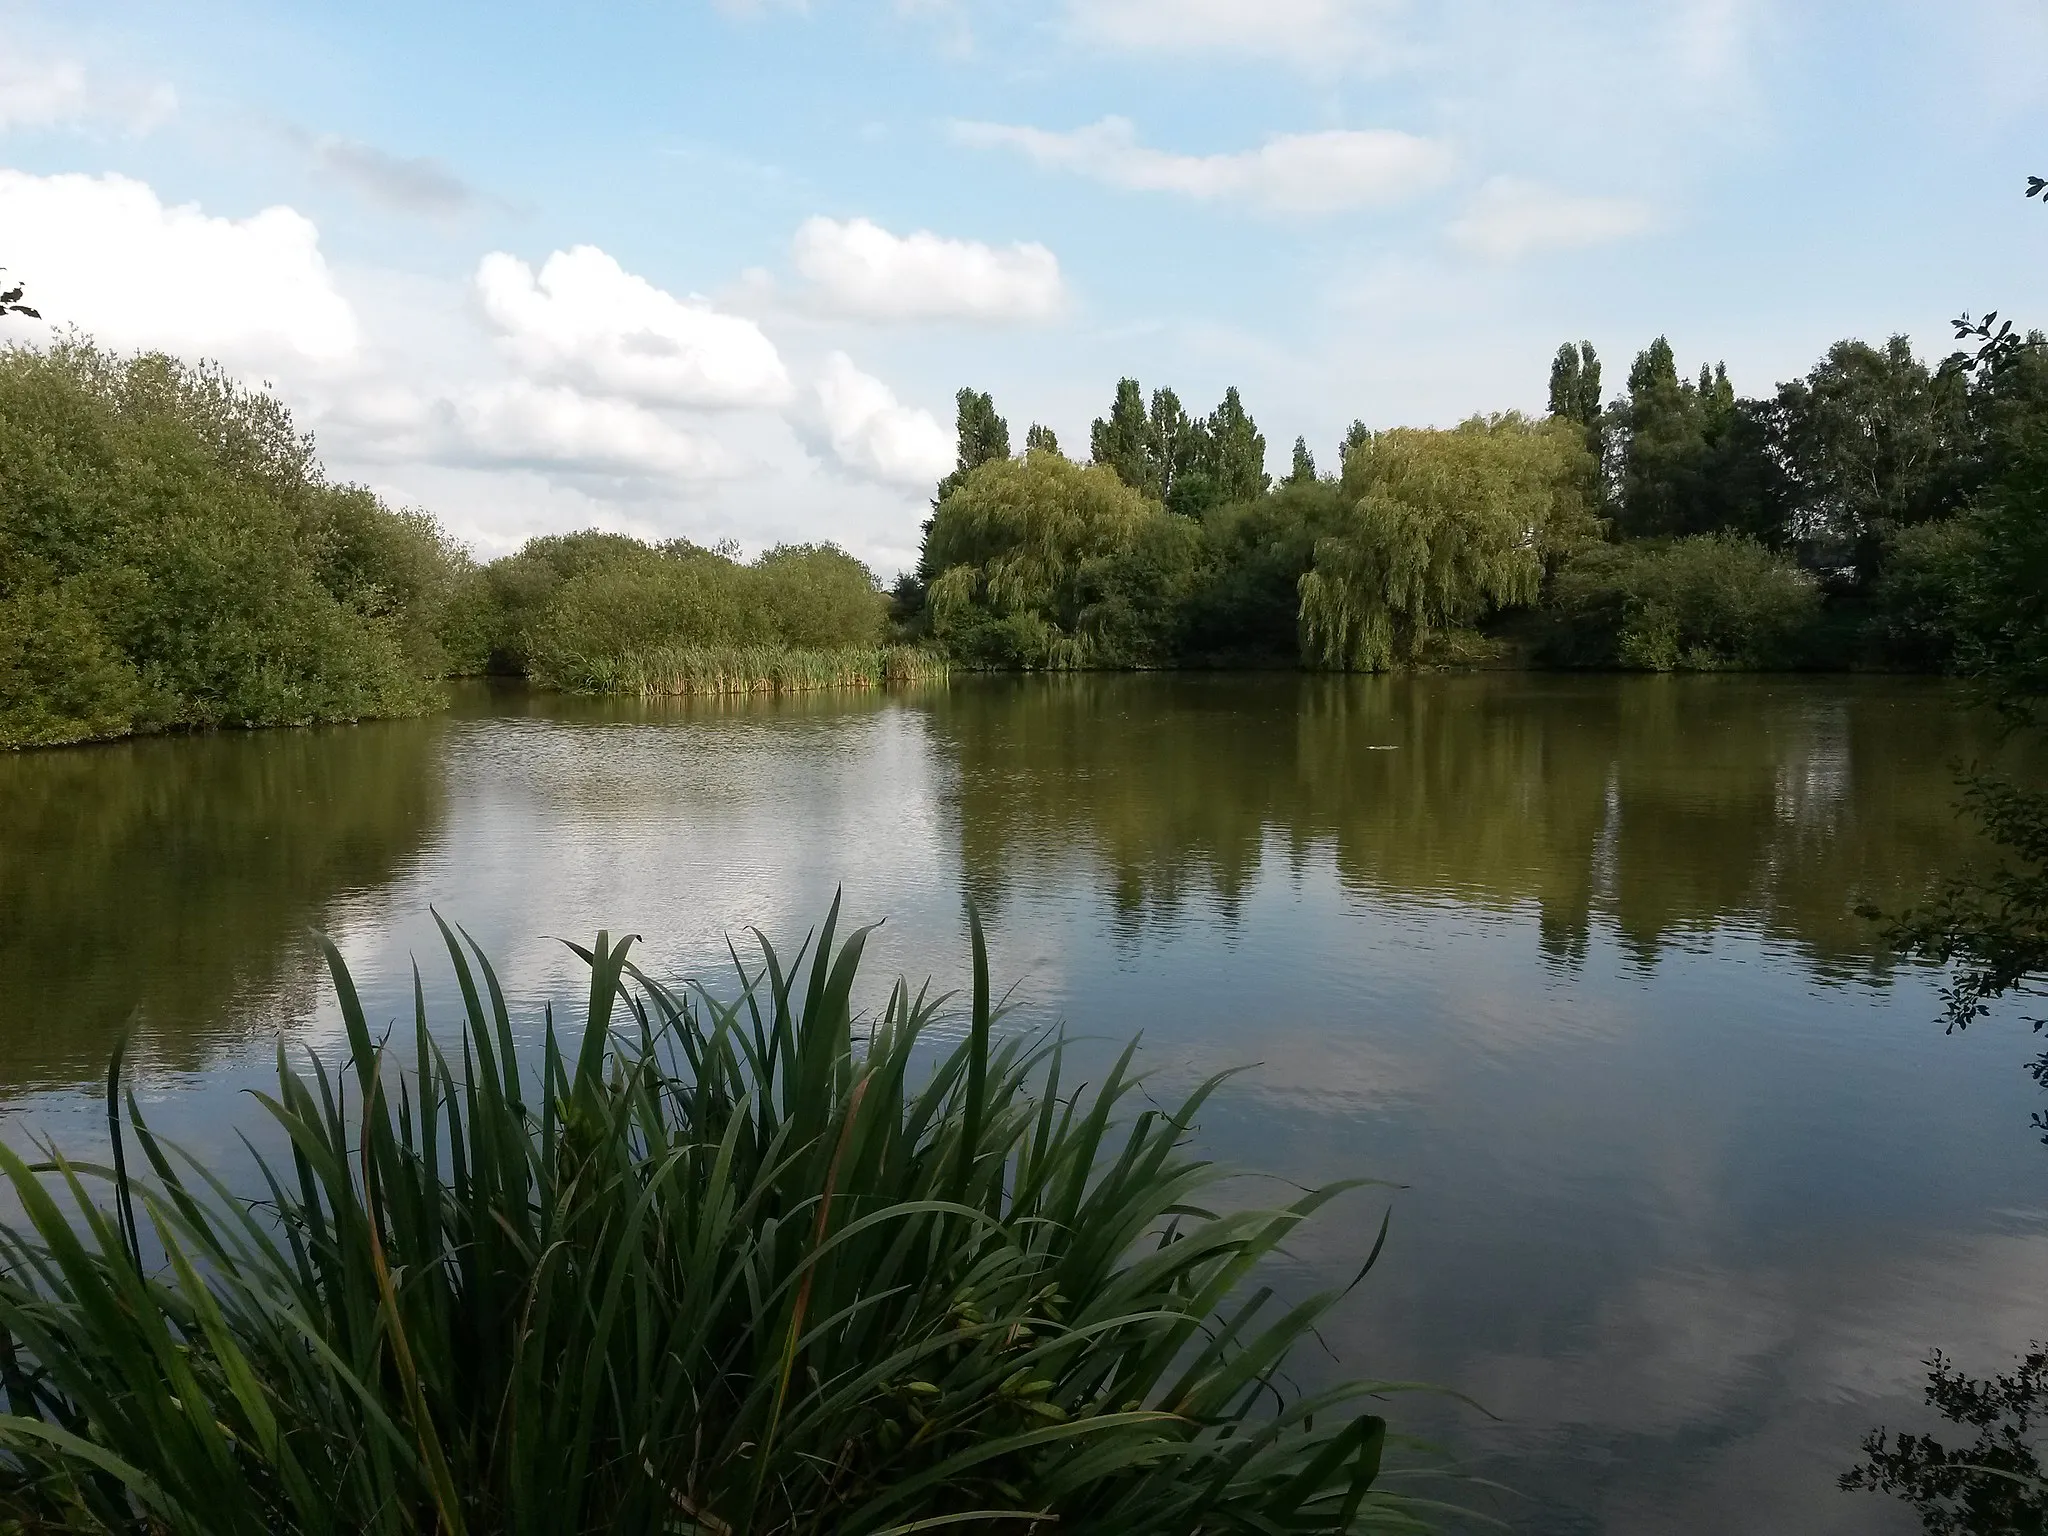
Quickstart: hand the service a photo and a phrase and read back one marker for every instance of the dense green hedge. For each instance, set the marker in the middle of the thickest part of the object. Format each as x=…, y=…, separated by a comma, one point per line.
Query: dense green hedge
x=171, y=555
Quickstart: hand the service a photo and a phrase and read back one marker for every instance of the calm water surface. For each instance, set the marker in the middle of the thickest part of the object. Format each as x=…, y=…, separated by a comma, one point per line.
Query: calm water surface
x=1690, y=1181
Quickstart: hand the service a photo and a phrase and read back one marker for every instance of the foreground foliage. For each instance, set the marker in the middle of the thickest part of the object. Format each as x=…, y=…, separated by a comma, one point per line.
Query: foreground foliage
x=172, y=556
x=723, y=1267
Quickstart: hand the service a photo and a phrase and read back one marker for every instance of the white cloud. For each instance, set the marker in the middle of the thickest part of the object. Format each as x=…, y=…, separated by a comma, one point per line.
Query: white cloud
x=40, y=95
x=875, y=435
x=552, y=426
x=103, y=253
x=1510, y=218
x=1324, y=172
x=1315, y=34
x=587, y=321
x=861, y=269
x=58, y=93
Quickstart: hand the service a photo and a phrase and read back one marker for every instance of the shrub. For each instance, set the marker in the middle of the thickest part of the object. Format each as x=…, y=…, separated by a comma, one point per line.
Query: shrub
x=571, y=608
x=729, y=1267
x=1706, y=603
x=170, y=554
x=1918, y=598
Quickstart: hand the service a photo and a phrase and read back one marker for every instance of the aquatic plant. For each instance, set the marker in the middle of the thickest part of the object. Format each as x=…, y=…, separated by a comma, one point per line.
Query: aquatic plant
x=683, y=670
x=723, y=1266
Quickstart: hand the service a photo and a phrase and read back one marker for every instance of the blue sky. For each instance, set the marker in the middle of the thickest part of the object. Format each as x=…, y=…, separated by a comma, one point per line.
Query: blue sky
x=716, y=269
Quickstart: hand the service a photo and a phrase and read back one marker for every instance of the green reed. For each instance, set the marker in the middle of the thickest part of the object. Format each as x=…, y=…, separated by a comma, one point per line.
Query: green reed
x=721, y=1266
x=704, y=671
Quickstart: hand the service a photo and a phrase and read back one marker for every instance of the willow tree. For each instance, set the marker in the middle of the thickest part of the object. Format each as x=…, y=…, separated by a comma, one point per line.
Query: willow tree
x=1010, y=546
x=1441, y=527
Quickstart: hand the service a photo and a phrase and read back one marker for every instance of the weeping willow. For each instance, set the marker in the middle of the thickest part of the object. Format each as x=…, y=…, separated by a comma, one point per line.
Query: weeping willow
x=1441, y=528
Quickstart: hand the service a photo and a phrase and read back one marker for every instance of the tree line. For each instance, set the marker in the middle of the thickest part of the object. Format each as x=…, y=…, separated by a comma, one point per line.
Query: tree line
x=1676, y=524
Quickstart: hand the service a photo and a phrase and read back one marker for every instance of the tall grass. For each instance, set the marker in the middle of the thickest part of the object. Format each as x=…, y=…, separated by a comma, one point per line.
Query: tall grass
x=723, y=1267
x=678, y=670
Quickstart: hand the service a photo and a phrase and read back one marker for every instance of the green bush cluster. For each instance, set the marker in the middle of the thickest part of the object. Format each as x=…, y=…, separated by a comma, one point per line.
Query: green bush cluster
x=1706, y=603
x=569, y=610
x=172, y=556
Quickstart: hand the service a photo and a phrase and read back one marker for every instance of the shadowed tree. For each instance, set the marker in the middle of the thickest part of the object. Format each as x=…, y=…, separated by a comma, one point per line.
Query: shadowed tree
x=1356, y=436
x=1040, y=439
x=1575, y=389
x=1303, y=471
x=1871, y=439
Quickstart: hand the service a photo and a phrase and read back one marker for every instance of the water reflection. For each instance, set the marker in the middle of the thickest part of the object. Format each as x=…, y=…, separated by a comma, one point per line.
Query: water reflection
x=1666, y=806
x=173, y=881
x=1692, y=1180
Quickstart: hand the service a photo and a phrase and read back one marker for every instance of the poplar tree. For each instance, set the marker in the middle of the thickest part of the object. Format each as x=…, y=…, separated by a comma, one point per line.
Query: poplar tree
x=1304, y=470
x=981, y=434
x=1356, y=436
x=1040, y=439
x=1122, y=441
x=1237, y=452
x=1176, y=444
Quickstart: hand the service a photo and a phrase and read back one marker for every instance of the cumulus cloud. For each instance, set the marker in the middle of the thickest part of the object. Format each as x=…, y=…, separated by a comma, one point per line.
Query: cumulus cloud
x=586, y=321
x=552, y=426
x=105, y=254
x=1327, y=172
x=1315, y=34
x=875, y=435
x=411, y=184
x=1511, y=218
x=860, y=269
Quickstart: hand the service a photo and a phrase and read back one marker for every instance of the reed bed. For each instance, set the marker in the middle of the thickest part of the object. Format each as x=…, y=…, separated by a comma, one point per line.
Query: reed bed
x=722, y=1266
x=705, y=671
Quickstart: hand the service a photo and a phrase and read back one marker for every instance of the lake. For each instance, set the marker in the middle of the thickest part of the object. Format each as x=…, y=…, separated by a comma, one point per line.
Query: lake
x=1689, y=1178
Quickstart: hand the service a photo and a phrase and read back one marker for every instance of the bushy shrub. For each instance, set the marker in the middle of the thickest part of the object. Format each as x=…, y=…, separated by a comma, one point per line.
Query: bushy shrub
x=1706, y=603
x=171, y=555
x=570, y=608
x=1927, y=574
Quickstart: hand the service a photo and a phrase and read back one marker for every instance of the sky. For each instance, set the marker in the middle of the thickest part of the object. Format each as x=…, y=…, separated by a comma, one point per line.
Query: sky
x=715, y=268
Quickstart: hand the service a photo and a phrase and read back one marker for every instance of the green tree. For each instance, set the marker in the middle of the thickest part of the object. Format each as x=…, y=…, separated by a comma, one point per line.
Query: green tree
x=1123, y=441
x=1178, y=448
x=1041, y=439
x=982, y=435
x=171, y=554
x=1237, y=452
x=1356, y=436
x=1872, y=441
x=1442, y=526
x=1303, y=471
x=1663, y=448
x=1575, y=391
x=1020, y=552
